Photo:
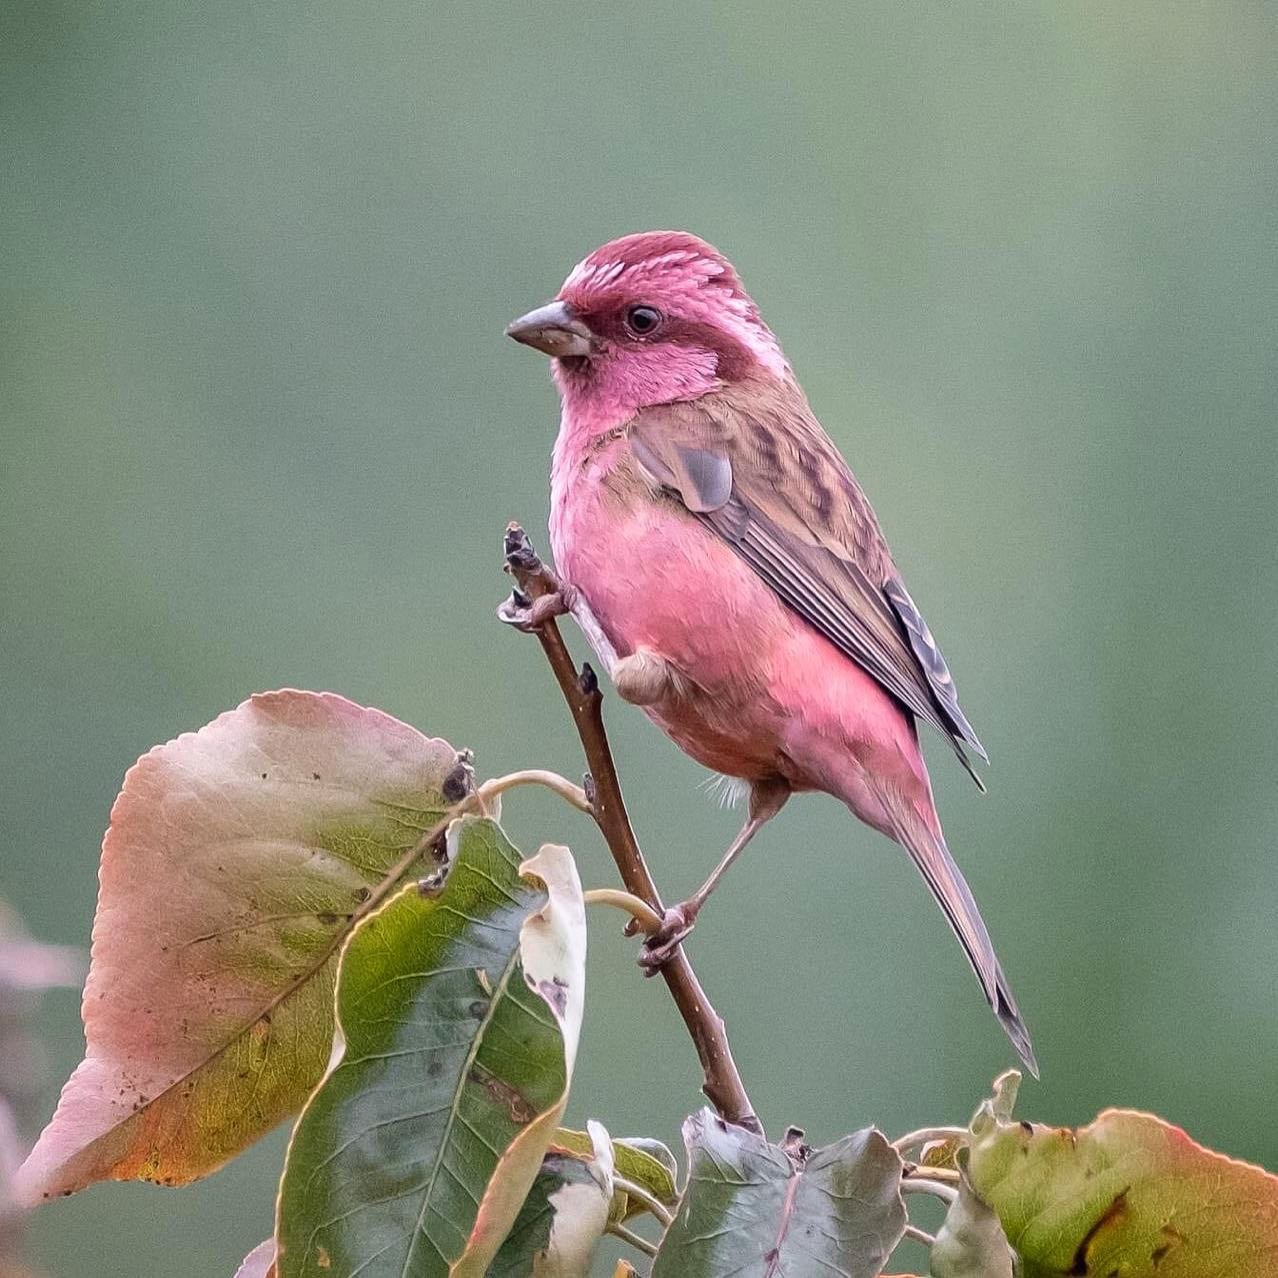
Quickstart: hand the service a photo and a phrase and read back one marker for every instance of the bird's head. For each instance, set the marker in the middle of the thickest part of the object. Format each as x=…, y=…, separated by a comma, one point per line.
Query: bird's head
x=649, y=319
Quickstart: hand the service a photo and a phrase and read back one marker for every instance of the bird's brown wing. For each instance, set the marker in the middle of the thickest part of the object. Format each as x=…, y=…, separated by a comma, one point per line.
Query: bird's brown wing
x=755, y=467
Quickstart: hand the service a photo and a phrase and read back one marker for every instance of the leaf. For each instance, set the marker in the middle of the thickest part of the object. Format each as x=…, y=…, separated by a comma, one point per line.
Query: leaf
x=564, y=1216
x=942, y=1153
x=235, y=858
x=754, y=1211
x=27, y=965
x=970, y=1242
x=638, y=1159
x=260, y=1262
x=12, y=1216
x=27, y=969
x=459, y=1015
x=1128, y=1194
x=649, y=1149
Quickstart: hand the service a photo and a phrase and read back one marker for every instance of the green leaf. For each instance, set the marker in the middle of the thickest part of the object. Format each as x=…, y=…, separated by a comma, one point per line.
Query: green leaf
x=459, y=1017
x=1129, y=1195
x=639, y=1159
x=564, y=1216
x=753, y=1210
x=235, y=859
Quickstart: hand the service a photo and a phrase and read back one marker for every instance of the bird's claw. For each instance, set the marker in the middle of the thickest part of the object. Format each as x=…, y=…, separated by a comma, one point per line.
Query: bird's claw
x=529, y=615
x=663, y=944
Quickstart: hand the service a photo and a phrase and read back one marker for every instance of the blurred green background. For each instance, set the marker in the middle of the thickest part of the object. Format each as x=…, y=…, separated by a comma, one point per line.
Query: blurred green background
x=260, y=427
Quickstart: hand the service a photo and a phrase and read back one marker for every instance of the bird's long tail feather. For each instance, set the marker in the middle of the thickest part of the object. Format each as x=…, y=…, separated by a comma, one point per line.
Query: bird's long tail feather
x=943, y=876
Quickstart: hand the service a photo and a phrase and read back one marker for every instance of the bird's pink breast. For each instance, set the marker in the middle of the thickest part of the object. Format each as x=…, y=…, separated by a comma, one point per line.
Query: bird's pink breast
x=768, y=694
x=654, y=579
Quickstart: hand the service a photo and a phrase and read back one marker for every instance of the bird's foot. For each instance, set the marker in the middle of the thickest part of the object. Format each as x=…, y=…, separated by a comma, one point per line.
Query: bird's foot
x=528, y=614
x=644, y=678
x=663, y=944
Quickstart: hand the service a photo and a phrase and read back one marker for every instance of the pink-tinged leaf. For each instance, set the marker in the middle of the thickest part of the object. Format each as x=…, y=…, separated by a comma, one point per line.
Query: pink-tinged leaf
x=235, y=861
x=27, y=965
x=27, y=969
x=1129, y=1194
x=260, y=1262
x=12, y=1215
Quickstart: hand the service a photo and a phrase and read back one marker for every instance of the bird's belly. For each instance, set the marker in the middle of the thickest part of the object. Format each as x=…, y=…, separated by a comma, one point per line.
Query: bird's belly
x=654, y=578
x=763, y=693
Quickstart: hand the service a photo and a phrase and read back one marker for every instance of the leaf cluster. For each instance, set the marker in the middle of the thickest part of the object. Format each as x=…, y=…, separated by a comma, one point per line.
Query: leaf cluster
x=310, y=911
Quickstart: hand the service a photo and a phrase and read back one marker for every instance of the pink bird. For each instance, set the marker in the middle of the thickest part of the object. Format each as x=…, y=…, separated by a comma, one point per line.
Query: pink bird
x=728, y=570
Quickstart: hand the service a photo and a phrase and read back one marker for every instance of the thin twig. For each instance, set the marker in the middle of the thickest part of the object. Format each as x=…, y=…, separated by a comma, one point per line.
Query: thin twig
x=640, y=1194
x=618, y=1230
x=721, y=1083
x=643, y=914
x=920, y=1235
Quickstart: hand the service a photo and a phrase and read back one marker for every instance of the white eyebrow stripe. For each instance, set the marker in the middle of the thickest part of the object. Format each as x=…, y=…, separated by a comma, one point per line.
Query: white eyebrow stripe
x=672, y=258
x=601, y=274
x=579, y=273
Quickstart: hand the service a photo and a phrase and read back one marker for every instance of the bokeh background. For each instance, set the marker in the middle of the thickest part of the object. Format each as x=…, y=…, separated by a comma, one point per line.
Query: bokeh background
x=260, y=427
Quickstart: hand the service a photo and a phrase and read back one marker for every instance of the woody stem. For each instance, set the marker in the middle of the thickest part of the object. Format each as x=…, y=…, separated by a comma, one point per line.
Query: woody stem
x=721, y=1082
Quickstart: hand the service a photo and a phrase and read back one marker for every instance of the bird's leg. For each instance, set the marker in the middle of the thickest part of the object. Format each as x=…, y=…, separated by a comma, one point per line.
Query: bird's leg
x=767, y=798
x=679, y=920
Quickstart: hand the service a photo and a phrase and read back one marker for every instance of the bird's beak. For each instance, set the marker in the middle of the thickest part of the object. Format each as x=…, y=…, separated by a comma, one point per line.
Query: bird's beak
x=554, y=329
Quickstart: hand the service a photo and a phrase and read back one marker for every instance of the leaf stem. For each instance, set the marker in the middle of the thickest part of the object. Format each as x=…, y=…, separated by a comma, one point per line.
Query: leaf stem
x=721, y=1082
x=921, y=1185
x=565, y=789
x=649, y=1200
x=619, y=1230
x=920, y=1235
x=925, y=1134
x=644, y=915
x=473, y=802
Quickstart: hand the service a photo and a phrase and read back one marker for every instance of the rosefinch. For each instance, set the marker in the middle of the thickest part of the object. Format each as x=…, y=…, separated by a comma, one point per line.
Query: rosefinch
x=728, y=569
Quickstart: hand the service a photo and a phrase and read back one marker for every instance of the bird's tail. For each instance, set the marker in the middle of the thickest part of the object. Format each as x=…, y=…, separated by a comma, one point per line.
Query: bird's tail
x=927, y=848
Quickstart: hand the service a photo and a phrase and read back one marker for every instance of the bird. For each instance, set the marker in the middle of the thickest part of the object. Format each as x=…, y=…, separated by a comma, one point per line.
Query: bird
x=730, y=573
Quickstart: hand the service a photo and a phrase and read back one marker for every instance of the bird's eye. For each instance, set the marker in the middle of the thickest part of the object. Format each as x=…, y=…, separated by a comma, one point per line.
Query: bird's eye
x=642, y=320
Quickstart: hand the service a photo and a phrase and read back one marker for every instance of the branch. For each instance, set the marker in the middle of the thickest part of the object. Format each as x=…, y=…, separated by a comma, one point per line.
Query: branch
x=722, y=1084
